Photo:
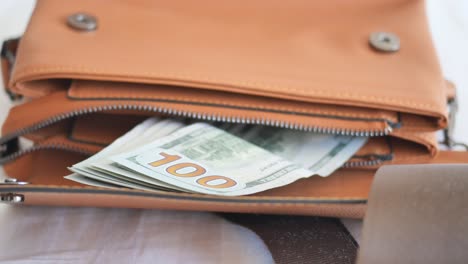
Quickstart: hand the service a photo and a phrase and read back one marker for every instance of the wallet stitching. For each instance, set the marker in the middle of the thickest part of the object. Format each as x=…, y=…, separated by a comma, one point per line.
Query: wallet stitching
x=84, y=69
x=263, y=200
x=76, y=94
x=260, y=107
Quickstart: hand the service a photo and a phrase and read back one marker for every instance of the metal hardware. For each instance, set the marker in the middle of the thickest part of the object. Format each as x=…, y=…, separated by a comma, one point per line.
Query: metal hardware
x=9, y=147
x=384, y=41
x=201, y=116
x=13, y=96
x=82, y=21
x=14, y=155
x=11, y=198
x=448, y=132
x=9, y=55
x=12, y=181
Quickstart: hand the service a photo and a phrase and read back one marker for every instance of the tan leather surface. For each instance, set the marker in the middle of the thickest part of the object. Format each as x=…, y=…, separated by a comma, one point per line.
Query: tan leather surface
x=428, y=139
x=102, y=129
x=5, y=71
x=232, y=61
x=221, y=103
x=345, y=184
x=376, y=146
x=342, y=194
x=286, y=78
x=130, y=201
x=400, y=152
x=45, y=170
x=56, y=154
x=81, y=89
x=266, y=48
x=188, y=97
x=58, y=128
x=59, y=104
x=98, y=128
x=417, y=214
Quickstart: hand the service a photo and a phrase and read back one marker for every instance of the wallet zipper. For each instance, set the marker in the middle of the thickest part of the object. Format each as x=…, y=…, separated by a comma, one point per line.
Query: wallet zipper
x=6, y=157
x=365, y=163
x=19, y=153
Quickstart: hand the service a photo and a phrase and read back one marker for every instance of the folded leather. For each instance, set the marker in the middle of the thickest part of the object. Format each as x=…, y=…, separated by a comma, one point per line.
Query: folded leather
x=273, y=49
x=343, y=194
x=301, y=70
x=265, y=62
x=73, y=103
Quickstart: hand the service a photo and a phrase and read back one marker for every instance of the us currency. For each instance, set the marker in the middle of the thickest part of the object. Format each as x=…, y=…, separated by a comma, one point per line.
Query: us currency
x=105, y=166
x=99, y=171
x=320, y=153
x=201, y=158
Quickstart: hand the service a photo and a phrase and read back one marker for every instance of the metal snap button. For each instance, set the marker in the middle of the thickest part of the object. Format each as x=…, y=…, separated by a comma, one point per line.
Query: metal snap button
x=82, y=21
x=384, y=41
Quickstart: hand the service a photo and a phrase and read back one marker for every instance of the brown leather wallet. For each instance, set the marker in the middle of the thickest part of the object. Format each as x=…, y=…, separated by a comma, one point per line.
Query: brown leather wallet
x=89, y=71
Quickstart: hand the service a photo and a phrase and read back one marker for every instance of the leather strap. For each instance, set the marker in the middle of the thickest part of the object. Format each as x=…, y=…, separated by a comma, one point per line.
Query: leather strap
x=417, y=214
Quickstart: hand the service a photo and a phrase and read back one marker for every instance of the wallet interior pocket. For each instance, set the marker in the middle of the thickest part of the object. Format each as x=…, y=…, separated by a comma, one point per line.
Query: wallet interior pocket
x=46, y=167
x=97, y=113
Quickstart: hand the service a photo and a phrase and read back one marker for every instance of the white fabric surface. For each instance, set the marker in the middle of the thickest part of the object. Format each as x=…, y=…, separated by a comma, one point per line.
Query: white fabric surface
x=93, y=235
x=89, y=235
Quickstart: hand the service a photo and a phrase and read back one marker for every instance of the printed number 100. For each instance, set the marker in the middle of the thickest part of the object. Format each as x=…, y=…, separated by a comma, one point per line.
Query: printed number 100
x=179, y=169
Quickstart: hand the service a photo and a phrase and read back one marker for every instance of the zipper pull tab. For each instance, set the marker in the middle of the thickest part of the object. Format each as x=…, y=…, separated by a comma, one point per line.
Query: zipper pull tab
x=7, y=149
x=11, y=198
x=13, y=181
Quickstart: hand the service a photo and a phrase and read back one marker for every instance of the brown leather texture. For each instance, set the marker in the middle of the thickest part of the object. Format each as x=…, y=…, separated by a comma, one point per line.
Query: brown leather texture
x=265, y=62
x=286, y=76
x=290, y=54
x=102, y=129
x=343, y=194
x=60, y=104
x=417, y=214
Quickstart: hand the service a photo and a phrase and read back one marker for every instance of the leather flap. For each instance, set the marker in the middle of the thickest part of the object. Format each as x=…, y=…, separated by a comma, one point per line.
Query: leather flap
x=310, y=51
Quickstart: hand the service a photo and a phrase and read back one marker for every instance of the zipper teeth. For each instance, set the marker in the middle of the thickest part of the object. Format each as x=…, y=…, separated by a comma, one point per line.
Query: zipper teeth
x=206, y=117
x=366, y=163
x=20, y=153
x=349, y=164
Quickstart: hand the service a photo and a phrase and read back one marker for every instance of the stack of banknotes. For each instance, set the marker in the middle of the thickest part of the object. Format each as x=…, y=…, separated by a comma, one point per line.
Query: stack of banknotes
x=211, y=158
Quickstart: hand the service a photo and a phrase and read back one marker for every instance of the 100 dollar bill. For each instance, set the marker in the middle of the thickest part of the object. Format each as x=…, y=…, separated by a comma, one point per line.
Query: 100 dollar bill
x=204, y=159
